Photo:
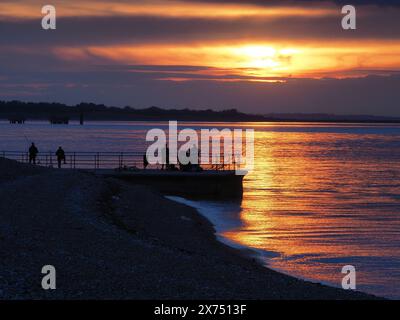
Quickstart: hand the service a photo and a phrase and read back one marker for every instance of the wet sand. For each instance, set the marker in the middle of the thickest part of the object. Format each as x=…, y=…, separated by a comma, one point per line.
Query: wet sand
x=111, y=240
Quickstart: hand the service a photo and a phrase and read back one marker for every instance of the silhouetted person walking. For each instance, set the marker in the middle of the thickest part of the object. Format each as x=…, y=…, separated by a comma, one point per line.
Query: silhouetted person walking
x=33, y=151
x=60, y=156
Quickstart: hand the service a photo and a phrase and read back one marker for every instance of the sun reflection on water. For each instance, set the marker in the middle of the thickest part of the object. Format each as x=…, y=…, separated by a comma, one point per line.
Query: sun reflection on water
x=323, y=201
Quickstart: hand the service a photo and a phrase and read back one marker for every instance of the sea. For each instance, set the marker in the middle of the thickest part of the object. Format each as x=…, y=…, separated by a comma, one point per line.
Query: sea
x=321, y=196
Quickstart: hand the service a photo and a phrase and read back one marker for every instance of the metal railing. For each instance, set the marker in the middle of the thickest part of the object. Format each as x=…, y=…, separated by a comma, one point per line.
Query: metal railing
x=103, y=160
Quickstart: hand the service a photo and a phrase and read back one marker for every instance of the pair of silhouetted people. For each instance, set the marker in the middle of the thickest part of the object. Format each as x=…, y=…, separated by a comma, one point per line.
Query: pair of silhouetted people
x=33, y=152
x=192, y=165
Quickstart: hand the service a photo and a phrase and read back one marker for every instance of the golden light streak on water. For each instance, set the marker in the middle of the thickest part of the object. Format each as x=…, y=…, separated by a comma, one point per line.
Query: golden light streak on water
x=324, y=200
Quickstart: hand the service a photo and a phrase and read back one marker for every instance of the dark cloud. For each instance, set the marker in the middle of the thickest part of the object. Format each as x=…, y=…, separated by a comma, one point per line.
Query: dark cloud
x=371, y=95
x=369, y=2
x=118, y=30
x=394, y=3
x=123, y=74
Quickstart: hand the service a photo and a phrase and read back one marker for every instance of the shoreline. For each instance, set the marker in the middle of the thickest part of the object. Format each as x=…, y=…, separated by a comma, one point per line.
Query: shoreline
x=248, y=252
x=112, y=240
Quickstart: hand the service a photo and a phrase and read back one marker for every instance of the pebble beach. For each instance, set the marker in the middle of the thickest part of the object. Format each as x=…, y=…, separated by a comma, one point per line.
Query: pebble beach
x=108, y=239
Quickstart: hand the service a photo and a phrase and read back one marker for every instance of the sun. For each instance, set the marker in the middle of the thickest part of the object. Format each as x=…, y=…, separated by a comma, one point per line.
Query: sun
x=257, y=56
x=263, y=60
x=256, y=51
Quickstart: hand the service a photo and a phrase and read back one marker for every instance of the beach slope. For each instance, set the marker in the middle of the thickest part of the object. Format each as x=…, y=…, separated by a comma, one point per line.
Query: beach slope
x=111, y=240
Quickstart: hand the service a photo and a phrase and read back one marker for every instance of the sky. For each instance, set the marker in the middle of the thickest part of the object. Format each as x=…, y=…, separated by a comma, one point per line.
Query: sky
x=258, y=56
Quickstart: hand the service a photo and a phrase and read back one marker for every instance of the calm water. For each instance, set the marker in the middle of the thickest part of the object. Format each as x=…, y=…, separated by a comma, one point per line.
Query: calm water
x=320, y=197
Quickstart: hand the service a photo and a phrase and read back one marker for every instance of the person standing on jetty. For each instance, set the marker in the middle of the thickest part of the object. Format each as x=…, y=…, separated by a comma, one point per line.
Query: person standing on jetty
x=60, y=156
x=33, y=151
x=165, y=158
x=145, y=161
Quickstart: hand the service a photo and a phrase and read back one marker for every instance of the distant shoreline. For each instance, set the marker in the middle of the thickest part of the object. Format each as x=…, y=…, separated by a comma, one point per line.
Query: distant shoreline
x=18, y=111
x=223, y=121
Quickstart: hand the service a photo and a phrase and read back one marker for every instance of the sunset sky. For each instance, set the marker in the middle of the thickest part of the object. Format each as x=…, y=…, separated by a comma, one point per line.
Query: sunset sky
x=256, y=56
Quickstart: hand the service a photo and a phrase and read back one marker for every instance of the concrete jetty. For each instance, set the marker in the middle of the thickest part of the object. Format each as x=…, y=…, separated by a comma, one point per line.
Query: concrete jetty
x=206, y=184
x=216, y=182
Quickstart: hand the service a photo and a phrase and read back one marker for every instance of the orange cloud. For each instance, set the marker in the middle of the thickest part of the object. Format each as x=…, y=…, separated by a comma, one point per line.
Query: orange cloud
x=303, y=53
x=256, y=60
x=31, y=9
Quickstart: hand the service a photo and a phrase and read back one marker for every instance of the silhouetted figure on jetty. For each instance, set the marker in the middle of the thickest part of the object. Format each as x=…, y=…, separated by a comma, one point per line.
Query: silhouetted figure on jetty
x=182, y=154
x=33, y=152
x=60, y=157
x=165, y=158
x=193, y=154
x=145, y=161
x=195, y=151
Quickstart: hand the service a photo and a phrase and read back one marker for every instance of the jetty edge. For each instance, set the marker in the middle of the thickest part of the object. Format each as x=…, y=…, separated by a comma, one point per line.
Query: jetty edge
x=207, y=184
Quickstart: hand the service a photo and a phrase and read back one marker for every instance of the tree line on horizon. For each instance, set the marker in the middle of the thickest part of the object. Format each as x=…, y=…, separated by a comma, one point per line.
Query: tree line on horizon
x=18, y=110
x=92, y=111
